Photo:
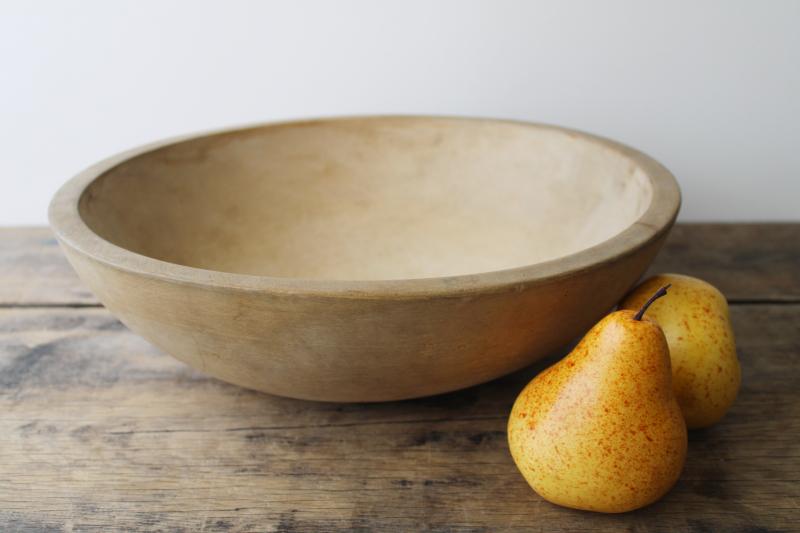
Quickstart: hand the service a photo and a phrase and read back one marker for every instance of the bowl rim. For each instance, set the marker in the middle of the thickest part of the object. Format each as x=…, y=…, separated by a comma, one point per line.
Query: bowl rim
x=74, y=233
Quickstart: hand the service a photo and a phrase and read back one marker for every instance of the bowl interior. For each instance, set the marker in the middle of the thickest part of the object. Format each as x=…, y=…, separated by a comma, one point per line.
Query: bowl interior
x=369, y=199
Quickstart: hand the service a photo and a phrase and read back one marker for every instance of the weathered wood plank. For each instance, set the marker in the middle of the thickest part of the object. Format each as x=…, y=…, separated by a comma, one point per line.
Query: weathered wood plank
x=99, y=431
x=746, y=261
x=33, y=271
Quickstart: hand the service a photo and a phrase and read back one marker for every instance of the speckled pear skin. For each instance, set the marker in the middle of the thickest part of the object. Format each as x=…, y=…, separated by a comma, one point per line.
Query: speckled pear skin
x=601, y=429
x=705, y=370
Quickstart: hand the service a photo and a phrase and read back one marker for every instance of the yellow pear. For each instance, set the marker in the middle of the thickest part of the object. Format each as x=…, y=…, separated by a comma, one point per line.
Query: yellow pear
x=705, y=371
x=601, y=430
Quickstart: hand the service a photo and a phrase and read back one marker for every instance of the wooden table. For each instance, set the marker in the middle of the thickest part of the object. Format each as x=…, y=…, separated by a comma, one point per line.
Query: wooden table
x=100, y=431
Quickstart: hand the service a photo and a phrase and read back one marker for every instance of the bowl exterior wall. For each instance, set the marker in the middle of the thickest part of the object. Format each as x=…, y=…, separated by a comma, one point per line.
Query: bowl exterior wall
x=357, y=347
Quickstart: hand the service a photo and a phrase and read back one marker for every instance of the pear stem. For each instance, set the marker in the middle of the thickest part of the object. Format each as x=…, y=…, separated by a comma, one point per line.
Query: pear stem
x=659, y=293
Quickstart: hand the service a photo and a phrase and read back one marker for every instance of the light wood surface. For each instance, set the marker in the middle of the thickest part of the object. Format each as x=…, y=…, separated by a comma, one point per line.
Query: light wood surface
x=366, y=259
x=99, y=431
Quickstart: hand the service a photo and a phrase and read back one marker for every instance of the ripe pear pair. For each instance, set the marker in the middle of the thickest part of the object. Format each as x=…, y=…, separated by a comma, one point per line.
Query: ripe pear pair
x=601, y=430
x=604, y=429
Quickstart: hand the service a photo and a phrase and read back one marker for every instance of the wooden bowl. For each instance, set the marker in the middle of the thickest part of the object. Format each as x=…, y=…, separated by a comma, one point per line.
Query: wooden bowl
x=366, y=259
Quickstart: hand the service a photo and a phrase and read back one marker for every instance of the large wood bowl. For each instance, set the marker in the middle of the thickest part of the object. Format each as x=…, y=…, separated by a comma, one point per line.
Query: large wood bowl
x=366, y=259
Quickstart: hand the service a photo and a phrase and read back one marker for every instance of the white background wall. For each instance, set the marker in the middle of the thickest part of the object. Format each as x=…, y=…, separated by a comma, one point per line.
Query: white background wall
x=710, y=88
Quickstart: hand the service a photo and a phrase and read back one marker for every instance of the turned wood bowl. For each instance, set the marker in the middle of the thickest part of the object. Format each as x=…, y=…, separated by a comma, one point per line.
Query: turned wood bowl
x=366, y=259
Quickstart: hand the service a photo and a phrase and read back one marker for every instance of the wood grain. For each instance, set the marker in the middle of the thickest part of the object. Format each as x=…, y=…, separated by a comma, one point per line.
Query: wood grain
x=747, y=262
x=101, y=432
x=34, y=271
